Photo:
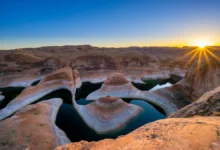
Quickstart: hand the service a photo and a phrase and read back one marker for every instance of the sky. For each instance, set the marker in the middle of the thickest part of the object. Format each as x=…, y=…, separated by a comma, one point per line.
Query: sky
x=108, y=23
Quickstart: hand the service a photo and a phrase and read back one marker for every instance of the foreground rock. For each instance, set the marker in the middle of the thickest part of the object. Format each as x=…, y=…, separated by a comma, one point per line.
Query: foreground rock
x=168, y=134
x=62, y=79
x=115, y=85
x=108, y=114
x=207, y=105
x=33, y=127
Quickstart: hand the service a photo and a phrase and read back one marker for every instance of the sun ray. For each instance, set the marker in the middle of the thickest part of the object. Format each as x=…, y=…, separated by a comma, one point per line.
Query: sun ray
x=213, y=55
x=189, y=53
x=206, y=57
x=191, y=59
x=199, y=62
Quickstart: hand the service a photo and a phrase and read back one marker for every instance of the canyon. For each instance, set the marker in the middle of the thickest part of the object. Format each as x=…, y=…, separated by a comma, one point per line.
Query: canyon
x=124, y=98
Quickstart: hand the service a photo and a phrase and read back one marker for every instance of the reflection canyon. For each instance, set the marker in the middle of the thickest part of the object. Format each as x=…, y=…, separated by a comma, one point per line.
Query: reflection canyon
x=108, y=98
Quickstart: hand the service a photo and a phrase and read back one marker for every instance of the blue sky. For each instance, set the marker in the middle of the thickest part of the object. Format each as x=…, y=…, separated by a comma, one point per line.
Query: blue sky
x=33, y=23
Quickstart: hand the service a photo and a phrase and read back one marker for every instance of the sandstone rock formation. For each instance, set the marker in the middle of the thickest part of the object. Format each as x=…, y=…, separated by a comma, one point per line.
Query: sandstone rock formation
x=108, y=114
x=76, y=78
x=33, y=127
x=141, y=60
x=155, y=64
x=99, y=76
x=94, y=62
x=23, y=58
x=199, y=80
x=157, y=78
x=168, y=134
x=62, y=79
x=61, y=74
x=115, y=85
x=51, y=64
x=177, y=74
x=159, y=98
x=25, y=81
x=207, y=105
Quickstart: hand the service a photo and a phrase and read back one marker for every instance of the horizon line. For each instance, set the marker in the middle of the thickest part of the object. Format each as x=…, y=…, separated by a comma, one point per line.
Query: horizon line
x=171, y=46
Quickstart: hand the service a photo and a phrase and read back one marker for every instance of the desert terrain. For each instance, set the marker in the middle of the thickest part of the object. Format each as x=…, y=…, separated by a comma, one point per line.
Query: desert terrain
x=110, y=92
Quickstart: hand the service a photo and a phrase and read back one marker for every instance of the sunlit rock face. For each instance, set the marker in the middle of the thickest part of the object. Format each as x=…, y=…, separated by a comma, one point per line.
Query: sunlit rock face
x=115, y=85
x=61, y=79
x=207, y=105
x=108, y=114
x=33, y=127
x=167, y=134
x=199, y=80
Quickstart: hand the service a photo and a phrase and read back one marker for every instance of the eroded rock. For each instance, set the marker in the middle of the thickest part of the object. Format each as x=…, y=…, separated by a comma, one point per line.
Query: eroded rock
x=25, y=81
x=207, y=105
x=177, y=74
x=61, y=74
x=157, y=78
x=115, y=85
x=33, y=127
x=199, y=80
x=21, y=57
x=62, y=79
x=108, y=114
x=168, y=134
x=51, y=64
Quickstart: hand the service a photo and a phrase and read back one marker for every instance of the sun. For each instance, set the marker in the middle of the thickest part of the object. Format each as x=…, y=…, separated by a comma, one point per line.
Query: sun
x=202, y=43
x=200, y=53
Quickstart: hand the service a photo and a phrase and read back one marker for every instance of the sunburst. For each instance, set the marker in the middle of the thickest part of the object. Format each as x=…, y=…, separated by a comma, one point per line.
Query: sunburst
x=199, y=54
